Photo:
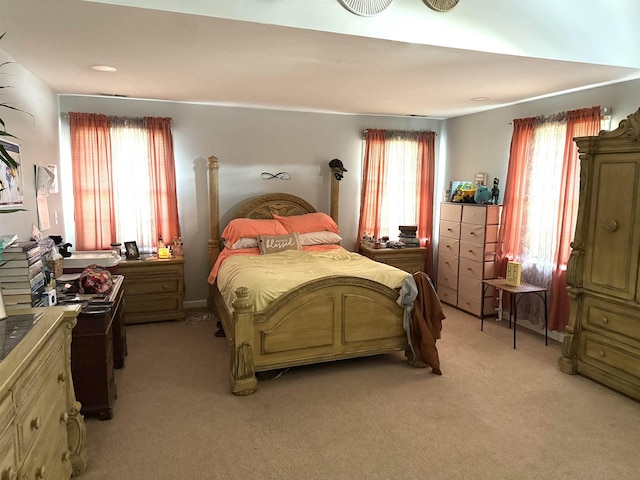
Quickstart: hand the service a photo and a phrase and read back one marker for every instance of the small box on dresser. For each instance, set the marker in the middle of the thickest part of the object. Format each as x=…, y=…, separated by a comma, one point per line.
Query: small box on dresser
x=153, y=289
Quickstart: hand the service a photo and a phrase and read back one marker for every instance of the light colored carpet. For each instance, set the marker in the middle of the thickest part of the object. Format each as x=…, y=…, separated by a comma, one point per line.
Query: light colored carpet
x=495, y=413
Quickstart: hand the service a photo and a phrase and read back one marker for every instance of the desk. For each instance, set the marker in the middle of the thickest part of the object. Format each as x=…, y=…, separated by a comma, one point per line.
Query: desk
x=515, y=294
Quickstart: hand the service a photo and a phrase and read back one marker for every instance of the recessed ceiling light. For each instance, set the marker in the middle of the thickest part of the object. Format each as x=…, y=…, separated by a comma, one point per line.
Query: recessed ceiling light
x=480, y=99
x=103, y=68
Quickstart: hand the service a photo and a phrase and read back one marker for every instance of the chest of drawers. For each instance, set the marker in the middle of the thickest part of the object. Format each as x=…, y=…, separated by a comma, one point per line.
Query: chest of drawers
x=153, y=289
x=408, y=259
x=42, y=433
x=466, y=254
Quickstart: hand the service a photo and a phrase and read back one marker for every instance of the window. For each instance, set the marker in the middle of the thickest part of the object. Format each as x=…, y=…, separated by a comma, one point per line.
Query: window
x=123, y=181
x=397, y=185
x=541, y=204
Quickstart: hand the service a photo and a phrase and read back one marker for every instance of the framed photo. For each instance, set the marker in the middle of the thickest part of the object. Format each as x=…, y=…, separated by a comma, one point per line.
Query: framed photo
x=11, y=181
x=131, y=250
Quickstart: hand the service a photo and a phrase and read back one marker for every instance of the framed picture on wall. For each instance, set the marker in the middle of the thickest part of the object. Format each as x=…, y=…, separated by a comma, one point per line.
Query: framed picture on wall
x=11, y=181
x=131, y=250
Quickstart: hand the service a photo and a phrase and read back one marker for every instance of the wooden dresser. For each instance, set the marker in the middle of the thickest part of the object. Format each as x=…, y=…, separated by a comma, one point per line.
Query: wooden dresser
x=466, y=254
x=408, y=259
x=99, y=346
x=602, y=339
x=153, y=289
x=42, y=433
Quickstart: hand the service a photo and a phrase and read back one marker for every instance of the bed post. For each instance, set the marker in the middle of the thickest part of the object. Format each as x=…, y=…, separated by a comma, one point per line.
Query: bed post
x=338, y=172
x=243, y=377
x=335, y=199
x=214, y=218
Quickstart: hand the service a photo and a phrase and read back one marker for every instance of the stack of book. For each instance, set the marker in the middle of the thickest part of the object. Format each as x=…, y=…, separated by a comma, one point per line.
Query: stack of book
x=21, y=276
x=408, y=235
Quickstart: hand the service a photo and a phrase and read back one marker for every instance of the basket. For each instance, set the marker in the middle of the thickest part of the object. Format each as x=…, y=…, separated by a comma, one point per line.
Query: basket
x=55, y=266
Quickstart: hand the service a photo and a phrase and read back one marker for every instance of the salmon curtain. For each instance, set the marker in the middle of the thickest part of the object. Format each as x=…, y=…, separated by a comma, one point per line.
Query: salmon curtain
x=163, y=178
x=94, y=180
x=372, y=184
x=92, y=185
x=578, y=123
x=426, y=176
x=376, y=171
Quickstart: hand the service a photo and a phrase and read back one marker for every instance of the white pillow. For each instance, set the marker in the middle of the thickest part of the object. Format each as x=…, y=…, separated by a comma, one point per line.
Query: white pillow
x=244, y=242
x=319, y=238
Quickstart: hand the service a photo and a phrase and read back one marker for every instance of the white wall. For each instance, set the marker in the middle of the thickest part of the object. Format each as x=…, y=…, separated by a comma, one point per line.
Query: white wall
x=481, y=142
x=38, y=140
x=247, y=143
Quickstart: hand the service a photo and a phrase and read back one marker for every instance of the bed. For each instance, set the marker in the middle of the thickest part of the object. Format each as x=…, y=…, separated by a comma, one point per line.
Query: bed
x=322, y=319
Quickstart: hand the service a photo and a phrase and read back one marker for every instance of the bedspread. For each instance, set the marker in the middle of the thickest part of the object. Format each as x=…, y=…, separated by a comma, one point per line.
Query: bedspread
x=270, y=276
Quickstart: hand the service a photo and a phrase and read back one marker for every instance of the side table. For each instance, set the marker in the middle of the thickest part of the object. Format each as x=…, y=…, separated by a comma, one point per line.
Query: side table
x=515, y=294
x=410, y=259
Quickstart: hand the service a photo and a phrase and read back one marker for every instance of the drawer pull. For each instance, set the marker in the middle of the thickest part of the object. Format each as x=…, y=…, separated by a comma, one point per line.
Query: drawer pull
x=472, y=233
x=470, y=251
x=62, y=377
x=36, y=423
x=602, y=354
x=165, y=286
x=66, y=456
x=449, y=230
x=9, y=474
x=605, y=320
x=64, y=418
x=41, y=472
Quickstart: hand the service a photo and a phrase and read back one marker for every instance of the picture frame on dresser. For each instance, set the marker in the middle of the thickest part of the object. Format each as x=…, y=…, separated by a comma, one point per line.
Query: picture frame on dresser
x=131, y=250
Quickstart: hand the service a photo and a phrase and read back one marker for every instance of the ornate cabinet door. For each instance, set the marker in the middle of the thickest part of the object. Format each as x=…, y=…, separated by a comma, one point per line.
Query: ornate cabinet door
x=612, y=261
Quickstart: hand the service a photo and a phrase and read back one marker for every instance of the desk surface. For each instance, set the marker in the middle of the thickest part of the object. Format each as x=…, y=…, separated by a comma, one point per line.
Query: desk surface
x=502, y=284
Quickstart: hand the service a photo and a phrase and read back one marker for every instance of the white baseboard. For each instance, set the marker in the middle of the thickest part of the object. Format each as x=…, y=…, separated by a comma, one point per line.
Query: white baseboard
x=195, y=304
x=539, y=329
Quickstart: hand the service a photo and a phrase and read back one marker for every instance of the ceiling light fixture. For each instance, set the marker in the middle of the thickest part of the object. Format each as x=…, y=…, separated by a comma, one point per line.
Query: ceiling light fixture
x=103, y=68
x=480, y=99
x=366, y=8
x=441, y=5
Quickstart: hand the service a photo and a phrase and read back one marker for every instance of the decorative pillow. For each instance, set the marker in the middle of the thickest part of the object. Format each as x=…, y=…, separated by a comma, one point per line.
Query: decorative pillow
x=319, y=238
x=278, y=243
x=250, y=228
x=244, y=242
x=309, y=222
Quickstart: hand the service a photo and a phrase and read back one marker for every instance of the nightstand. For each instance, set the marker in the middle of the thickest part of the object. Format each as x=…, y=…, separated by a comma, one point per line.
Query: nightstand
x=410, y=259
x=153, y=289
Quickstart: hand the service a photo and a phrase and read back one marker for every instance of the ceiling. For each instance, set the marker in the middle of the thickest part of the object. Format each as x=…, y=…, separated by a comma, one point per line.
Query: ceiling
x=194, y=58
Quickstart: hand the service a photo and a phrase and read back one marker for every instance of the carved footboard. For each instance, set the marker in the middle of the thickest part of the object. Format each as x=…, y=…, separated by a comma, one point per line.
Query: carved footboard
x=330, y=319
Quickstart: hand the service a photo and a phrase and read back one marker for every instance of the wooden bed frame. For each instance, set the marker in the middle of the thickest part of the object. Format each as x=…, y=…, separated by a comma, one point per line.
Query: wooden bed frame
x=329, y=319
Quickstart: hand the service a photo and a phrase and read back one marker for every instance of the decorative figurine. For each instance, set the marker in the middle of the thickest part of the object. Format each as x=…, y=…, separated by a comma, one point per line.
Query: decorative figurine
x=495, y=191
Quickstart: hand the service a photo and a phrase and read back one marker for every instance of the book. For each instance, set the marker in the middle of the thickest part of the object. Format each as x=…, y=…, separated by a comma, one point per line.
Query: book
x=34, y=252
x=11, y=283
x=18, y=262
x=7, y=240
x=20, y=247
x=12, y=289
x=513, y=274
x=20, y=273
x=23, y=298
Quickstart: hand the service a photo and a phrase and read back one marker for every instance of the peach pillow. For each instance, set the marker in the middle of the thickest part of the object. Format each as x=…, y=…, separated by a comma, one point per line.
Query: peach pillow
x=251, y=228
x=309, y=222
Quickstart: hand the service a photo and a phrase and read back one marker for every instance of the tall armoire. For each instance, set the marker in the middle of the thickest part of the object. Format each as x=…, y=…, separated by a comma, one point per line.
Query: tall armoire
x=603, y=335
